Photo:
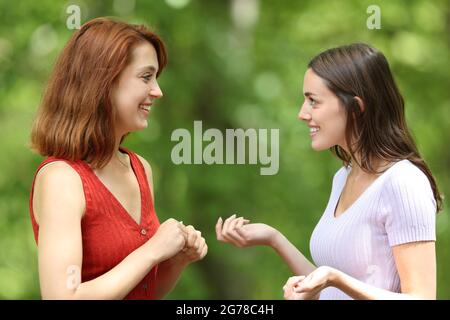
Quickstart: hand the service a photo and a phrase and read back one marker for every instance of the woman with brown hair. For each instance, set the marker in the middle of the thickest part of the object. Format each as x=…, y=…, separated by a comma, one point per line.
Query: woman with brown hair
x=376, y=238
x=91, y=203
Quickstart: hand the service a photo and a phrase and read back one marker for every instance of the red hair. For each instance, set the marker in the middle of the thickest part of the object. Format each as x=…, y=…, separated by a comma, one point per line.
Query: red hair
x=76, y=119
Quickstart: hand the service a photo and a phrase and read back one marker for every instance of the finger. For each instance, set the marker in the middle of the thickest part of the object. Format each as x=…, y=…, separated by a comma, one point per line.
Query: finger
x=294, y=280
x=204, y=251
x=192, y=236
x=299, y=289
x=198, y=240
x=300, y=279
x=227, y=223
x=241, y=235
x=182, y=239
x=242, y=232
x=240, y=222
x=233, y=223
x=232, y=233
x=182, y=227
x=226, y=228
x=245, y=221
x=296, y=296
x=201, y=246
x=288, y=294
x=229, y=233
x=304, y=286
x=237, y=240
x=302, y=289
x=219, y=229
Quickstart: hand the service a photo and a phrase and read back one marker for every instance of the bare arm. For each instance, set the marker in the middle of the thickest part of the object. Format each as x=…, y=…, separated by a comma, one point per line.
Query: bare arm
x=169, y=271
x=59, y=206
x=416, y=266
x=194, y=250
x=295, y=260
x=238, y=232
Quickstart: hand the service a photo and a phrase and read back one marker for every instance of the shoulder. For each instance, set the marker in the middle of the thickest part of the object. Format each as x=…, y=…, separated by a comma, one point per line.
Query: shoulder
x=408, y=186
x=147, y=167
x=145, y=164
x=57, y=186
x=405, y=176
x=58, y=173
x=148, y=173
x=409, y=208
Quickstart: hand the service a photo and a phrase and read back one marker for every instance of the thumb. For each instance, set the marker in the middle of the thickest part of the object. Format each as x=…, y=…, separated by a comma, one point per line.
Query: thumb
x=219, y=228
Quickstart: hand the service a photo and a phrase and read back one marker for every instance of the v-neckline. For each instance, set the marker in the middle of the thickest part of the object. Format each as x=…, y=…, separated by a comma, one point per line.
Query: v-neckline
x=124, y=211
x=361, y=196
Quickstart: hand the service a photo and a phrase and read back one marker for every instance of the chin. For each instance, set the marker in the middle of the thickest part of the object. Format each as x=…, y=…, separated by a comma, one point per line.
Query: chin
x=142, y=125
x=138, y=127
x=319, y=147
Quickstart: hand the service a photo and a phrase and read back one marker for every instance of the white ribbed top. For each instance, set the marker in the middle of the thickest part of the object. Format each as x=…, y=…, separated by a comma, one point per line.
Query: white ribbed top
x=398, y=207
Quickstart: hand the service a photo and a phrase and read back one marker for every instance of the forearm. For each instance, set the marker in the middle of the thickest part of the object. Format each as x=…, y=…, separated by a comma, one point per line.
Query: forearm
x=296, y=261
x=169, y=272
x=119, y=281
x=362, y=291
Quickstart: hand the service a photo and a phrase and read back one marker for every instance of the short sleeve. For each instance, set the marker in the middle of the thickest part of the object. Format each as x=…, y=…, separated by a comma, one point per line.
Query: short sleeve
x=410, y=206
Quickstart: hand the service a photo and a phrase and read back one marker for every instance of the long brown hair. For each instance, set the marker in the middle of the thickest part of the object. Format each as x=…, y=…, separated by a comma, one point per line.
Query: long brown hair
x=75, y=120
x=380, y=130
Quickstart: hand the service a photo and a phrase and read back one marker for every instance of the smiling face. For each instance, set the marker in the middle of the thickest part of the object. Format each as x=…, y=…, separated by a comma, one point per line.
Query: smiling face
x=323, y=113
x=136, y=90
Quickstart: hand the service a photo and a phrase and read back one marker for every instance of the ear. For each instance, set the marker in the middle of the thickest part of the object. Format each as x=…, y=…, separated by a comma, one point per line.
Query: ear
x=362, y=107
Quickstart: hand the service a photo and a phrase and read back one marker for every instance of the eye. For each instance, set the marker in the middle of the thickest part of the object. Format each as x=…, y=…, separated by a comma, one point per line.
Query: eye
x=312, y=102
x=147, y=77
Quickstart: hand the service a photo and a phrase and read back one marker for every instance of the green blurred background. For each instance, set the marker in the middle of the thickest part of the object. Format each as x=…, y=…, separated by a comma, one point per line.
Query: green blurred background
x=232, y=64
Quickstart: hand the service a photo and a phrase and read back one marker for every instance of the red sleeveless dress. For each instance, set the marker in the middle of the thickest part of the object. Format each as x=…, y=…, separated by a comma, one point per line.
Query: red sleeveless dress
x=109, y=233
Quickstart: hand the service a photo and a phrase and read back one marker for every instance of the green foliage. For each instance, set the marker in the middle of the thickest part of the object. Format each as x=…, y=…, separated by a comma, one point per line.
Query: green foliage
x=228, y=75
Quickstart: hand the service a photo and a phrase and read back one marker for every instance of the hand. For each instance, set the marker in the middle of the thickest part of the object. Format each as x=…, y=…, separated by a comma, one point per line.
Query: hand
x=289, y=293
x=195, y=247
x=169, y=239
x=309, y=287
x=238, y=232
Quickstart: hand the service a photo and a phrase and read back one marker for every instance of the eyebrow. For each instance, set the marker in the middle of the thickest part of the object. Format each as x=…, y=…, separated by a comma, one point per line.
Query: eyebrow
x=308, y=94
x=148, y=68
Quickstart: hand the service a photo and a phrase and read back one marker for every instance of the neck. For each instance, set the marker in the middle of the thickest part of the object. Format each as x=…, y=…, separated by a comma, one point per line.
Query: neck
x=117, y=143
x=378, y=165
x=119, y=158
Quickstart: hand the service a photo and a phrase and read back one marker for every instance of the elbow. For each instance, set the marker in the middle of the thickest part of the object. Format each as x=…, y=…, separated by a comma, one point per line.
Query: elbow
x=65, y=294
x=425, y=296
x=421, y=295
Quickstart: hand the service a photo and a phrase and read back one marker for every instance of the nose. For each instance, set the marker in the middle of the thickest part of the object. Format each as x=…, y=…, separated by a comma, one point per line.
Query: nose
x=304, y=114
x=155, y=91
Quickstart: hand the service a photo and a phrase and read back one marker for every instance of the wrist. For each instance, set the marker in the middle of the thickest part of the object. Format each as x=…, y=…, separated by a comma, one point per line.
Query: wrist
x=276, y=240
x=153, y=255
x=334, y=278
x=176, y=263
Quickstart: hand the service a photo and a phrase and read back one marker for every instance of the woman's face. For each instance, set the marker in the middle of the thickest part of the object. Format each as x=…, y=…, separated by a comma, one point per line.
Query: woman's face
x=323, y=113
x=136, y=90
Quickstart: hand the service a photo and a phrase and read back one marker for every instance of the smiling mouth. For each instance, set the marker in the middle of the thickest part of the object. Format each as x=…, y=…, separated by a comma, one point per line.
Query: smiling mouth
x=145, y=107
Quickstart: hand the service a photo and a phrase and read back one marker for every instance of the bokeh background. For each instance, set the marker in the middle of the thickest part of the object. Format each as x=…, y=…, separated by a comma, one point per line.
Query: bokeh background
x=232, y=64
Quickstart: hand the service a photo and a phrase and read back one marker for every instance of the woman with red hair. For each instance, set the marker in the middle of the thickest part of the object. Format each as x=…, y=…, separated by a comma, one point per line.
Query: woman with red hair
x=91, y=202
